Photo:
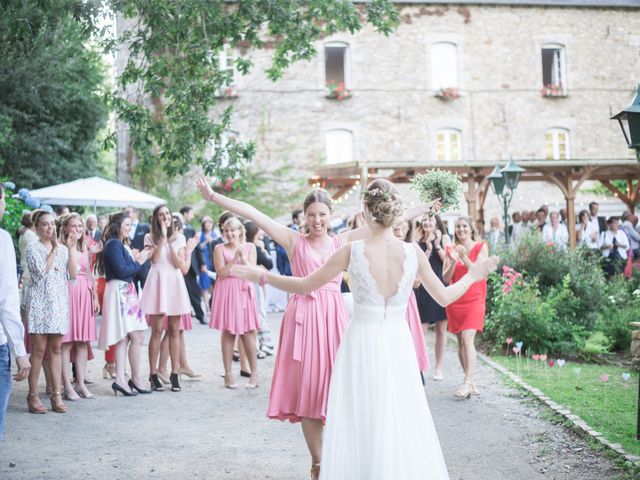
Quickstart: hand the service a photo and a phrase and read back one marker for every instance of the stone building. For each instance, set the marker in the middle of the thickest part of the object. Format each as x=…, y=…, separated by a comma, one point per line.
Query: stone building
x=477, y=81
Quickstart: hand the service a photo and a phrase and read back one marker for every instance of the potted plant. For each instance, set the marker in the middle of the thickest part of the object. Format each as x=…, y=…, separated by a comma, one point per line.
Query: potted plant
x=337, y=90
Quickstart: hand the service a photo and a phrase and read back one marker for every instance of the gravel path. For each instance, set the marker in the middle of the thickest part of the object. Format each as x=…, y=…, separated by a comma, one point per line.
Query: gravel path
x=208, y=432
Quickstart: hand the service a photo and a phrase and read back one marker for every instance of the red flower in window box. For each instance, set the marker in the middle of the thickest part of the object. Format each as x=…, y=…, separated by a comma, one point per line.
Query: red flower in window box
x=553, y=90
x=337, y=90
x=448, y=94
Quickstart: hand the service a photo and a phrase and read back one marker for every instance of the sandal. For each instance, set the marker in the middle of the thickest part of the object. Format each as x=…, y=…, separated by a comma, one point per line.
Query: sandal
x=56, y=402
x=315, y=471
x=34, y=404
x=228, y=384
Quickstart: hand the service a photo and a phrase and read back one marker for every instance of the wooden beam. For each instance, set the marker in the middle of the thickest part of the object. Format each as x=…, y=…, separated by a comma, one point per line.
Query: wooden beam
x=613, y=189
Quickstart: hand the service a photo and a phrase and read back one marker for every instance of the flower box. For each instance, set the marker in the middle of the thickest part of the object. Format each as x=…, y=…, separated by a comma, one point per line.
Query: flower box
x=553, y=90
x=448, y=94
x=337, y=90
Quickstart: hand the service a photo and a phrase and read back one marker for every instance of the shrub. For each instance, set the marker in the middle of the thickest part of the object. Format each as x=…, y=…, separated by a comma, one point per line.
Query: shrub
x=622, y=306
x=551, y=267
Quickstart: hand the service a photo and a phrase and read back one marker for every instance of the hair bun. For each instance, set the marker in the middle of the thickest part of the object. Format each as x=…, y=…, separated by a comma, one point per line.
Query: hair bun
x=383, y=202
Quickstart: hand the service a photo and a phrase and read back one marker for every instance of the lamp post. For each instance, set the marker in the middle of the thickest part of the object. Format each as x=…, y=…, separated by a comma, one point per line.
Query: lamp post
x=629, y=120
x=503, y=183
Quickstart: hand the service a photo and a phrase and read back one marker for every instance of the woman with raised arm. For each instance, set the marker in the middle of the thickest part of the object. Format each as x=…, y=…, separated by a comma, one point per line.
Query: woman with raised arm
x=466, y=315
x=313, y=323
x=378, y=422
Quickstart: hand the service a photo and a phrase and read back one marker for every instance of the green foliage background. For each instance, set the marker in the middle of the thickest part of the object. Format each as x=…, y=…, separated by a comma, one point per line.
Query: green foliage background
x=52, y=102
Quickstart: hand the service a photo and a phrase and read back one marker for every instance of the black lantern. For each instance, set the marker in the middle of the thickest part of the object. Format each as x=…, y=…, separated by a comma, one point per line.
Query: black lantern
x=497, y=181
x=629, y=120
x=511, y=174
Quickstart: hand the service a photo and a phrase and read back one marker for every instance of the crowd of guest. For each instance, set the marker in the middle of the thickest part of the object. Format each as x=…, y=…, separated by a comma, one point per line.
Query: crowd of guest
x=108, y=279
x=615, y=239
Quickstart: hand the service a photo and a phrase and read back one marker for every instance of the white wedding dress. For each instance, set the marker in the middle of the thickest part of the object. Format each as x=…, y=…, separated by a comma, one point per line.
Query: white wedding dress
x=379, y=426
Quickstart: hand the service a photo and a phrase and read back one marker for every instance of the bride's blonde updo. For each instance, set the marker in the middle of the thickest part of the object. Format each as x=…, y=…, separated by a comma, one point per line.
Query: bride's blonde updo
x=383, y=202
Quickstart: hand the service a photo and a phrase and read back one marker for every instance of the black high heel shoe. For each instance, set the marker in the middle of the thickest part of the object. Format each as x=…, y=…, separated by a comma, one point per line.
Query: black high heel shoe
x=117, y=388
x=155, y=383
x=175, y=384
x=133, y=387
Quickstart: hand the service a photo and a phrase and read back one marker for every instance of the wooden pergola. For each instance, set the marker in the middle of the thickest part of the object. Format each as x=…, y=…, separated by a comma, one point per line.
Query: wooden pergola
x=567, y=175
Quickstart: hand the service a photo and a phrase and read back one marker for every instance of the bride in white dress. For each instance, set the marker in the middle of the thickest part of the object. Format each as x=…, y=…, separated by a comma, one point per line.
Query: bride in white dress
x=379, y=425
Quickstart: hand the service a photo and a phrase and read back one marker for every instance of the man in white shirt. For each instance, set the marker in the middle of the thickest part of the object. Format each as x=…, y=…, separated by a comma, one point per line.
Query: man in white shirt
x=11, y=329
x=555, y=232
x=632, y=234
x=597, y=222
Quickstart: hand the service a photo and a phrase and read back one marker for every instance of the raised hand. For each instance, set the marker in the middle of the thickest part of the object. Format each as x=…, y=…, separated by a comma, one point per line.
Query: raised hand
x=204, y=188
x=163, y=229
x=192, y=243
x=433, y=206
x=480, y=270
x=248, y=272
x=72, y=240
x=96, y=247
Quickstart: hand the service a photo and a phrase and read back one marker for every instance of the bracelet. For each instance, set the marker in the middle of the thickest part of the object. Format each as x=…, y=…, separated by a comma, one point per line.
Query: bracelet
x=263, y=279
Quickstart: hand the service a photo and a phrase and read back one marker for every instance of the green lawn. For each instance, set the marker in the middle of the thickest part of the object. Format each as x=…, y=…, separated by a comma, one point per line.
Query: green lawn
x=609, y=407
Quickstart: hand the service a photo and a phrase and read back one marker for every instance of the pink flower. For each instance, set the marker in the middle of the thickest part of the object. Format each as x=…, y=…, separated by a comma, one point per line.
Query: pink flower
x=509, y=340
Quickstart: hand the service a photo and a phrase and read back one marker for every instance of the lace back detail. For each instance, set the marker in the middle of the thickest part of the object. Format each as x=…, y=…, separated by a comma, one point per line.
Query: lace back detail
x=363, y=285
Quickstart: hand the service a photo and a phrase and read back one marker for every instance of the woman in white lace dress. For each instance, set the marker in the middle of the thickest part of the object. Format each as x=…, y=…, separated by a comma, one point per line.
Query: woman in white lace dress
x=379, y=425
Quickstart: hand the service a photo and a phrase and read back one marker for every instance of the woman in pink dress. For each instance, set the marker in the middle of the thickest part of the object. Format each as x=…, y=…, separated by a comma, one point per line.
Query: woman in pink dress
x=186, y=323
x=313, y=324
x=83, y=306
x=165, y=292
x=234, y=310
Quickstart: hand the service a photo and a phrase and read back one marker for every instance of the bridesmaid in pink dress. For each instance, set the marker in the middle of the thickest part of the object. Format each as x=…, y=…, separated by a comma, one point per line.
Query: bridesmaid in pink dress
x=313, y=324
x=234, y=310
x=83, y=306
x=165, y=292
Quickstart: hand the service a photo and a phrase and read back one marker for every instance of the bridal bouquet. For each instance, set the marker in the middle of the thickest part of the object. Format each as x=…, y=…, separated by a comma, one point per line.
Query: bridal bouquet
x=440, y=184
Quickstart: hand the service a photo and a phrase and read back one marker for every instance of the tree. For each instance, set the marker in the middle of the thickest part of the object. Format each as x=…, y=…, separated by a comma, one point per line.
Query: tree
x=52, y=100
x=173, y=76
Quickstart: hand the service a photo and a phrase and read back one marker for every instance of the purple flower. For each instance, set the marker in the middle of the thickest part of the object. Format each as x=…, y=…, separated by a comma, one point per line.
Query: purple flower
x=23, y=193
x=32, y=202
x=9, y=185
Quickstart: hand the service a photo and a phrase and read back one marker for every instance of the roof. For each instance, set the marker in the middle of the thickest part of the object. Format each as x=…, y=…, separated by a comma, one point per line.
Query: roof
x=534, y=3
x=95, y=192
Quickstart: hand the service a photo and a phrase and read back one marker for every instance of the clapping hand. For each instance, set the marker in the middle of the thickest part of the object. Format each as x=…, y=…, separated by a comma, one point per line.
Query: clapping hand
x=143, y=255
x=96, y=247
x=240, y=258
x=192, y=243
x=461, y=251
x=482, y=269
x=72, y=239
x=205, y=189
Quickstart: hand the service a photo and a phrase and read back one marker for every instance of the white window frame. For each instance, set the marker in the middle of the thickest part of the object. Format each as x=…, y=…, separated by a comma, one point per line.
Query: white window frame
x=438, y=80
x=211, y=147
x=340, y=157
x=555, y=143
x=560, y=70
x=226, y=62
x=448, y=151
x=346, y=61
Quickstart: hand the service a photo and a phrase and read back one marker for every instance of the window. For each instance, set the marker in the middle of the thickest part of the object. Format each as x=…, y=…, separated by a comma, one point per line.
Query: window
x=553, y=73
x=227, y=60
x=448, y=145
x=444, y=65
x=212, y=147
x=339, y=146
x=335, y=63
x=557, y=144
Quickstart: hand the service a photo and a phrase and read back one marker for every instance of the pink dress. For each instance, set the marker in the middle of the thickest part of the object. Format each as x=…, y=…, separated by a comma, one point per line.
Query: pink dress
x=413, y=319
x=310, y=334
x=82, y=321
x=185, y=322
x=233, y=305
x=164, y=290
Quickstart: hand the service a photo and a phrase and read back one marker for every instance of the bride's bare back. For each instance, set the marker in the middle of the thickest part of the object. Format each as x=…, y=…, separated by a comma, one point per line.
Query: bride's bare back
x=385, y=257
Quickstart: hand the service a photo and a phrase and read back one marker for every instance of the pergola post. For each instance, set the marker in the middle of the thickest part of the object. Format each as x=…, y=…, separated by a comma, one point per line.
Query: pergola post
x=472, y=196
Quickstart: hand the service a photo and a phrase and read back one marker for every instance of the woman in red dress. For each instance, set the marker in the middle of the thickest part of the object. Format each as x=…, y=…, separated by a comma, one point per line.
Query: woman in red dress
x=466, y=315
